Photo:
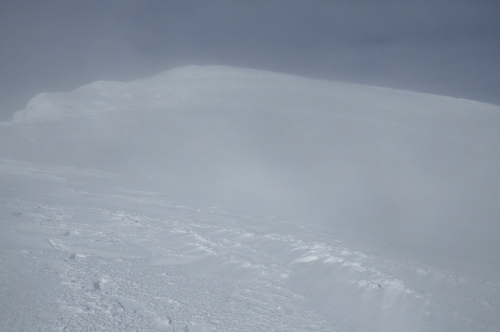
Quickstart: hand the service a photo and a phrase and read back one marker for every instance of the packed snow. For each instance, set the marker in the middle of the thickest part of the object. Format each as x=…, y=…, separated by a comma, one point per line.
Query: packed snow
x=228, y=199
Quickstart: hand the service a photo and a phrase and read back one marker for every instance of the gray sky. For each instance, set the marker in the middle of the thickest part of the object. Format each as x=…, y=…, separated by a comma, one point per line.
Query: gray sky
x=439, y=46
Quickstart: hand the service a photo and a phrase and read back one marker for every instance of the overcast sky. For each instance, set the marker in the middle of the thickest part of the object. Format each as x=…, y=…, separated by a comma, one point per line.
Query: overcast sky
x=440, y=46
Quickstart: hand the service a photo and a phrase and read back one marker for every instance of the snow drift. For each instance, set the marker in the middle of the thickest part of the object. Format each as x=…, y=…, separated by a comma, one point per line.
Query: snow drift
x=415, y=171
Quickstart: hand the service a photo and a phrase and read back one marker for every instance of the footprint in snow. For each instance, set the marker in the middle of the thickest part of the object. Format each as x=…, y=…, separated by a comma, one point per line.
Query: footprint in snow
x=57, y=267
x=200, y=327
x=75, y=256
x=104, y=284
x=128, y=304
x=137, y=307
x=57, y=244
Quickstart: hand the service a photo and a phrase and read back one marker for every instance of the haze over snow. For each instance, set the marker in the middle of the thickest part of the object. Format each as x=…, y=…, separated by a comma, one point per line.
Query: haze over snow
x=296, y=204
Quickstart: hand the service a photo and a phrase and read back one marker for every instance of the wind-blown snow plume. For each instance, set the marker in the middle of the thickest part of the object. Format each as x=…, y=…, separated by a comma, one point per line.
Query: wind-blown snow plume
x=413, y=170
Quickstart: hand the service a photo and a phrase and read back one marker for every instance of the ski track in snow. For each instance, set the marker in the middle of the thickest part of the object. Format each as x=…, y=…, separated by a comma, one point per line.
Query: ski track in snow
x=151, y=264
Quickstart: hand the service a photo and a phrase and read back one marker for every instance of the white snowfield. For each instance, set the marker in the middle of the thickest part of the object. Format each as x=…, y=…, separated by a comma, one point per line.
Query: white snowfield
x=227, y=199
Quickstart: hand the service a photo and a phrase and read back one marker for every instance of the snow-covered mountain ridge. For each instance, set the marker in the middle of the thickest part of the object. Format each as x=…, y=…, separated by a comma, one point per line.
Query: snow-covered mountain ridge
x=348, y=207
x=352, y=156
x=174, y=86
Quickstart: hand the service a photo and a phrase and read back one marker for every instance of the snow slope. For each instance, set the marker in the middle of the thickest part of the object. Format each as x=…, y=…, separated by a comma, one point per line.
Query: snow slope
x=225, y=199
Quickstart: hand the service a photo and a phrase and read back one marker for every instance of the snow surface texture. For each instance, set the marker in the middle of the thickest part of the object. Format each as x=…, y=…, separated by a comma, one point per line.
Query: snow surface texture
x=225, y=199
